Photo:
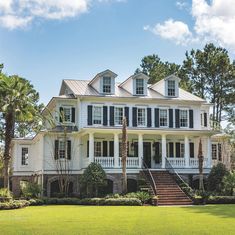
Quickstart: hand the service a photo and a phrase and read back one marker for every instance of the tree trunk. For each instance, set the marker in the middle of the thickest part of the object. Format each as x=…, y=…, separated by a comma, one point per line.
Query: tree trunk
x=124, y=156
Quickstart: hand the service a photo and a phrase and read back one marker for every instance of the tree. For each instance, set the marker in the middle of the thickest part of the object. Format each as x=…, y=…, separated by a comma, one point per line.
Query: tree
x=215, y=178
x=18, y=104
x=229, y=182
x=93, y=177
x=156, y=69
x=200, y=165
x=124, y=156
x=211, y=74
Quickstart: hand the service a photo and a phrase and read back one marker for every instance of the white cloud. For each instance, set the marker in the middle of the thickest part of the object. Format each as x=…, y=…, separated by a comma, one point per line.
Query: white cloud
x=213, y=21
x=20, y=13
x=181, y=5
x=177, y=31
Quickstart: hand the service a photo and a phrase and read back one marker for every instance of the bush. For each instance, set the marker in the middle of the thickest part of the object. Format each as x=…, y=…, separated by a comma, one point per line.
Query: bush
x=36, y=202
x=14, y=204
x=5, y=195
x=31, y=190
x=144, y=197
x=229, y=182
x=221, y=200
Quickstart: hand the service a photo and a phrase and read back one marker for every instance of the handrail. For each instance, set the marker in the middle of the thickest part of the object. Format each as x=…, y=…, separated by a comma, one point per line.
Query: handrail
x=154, y=187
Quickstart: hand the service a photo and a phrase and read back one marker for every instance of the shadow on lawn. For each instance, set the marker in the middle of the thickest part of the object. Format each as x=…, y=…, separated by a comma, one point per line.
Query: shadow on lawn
x=224, y=211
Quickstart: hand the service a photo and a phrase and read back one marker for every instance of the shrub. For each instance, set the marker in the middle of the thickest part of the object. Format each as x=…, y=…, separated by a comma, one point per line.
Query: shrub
x=36, y=202
x=31, y=190
x=221, y=200
x=5, y=195
x=144, y=197
x=215, y=178
x=229, y=182
x=14, y=204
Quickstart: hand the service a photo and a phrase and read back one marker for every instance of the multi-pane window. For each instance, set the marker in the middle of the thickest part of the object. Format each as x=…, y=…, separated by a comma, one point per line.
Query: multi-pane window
x=214, y=151
x=183, y=118
x=163, y=117
x=61, y=149
x=171, y=88
x=141, y=117
x=118, y=115
x=97, y=149
x=106, y=84
x=139, y=86
x=97, y=115
x=25, y=156
x=182, y=150
x=67, y=114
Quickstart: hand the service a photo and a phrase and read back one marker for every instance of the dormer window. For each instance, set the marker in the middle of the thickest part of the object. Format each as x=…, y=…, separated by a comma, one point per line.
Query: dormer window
x=171, y=88
x=139, y=86
x=107, y=85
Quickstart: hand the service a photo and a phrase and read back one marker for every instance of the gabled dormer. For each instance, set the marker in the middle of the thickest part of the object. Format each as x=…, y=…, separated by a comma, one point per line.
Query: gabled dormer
x=104, y=82
x=136, y=84
x=171, y=84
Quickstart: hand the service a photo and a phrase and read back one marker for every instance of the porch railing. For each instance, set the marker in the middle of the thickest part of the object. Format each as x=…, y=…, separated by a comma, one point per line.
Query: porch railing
x=177, y=162
x=131, y=162
x=194, y=162
x=105, y=162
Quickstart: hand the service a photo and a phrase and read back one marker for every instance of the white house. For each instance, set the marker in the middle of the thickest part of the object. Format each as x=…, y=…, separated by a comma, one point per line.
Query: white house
x=165, y=124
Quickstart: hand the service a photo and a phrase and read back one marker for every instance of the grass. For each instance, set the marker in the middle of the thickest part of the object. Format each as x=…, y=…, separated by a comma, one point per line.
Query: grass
x=212, y=219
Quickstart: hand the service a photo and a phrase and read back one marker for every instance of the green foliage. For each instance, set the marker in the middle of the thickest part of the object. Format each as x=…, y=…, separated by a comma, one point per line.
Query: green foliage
x=5, y=195
x=229, y=182
x=221, y=200
x=93, y=177
x=16, y=204
x=215, y=178
x=31, y=190
x=144, y=197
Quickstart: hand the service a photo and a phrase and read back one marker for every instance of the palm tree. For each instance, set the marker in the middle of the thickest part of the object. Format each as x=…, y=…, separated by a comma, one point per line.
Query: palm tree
x=200, y=165
x=18, y=104
x=124, y=156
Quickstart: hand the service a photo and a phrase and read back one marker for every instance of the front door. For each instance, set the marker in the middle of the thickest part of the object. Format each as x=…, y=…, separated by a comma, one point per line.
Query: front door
x=147, y=154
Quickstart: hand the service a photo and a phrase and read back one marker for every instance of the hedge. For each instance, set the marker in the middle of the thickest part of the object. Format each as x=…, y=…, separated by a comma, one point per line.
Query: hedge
x=14, y=204
x=221, y=200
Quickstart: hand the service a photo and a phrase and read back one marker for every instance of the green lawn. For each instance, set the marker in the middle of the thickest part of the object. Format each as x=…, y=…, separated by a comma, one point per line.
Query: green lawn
x=213, y=219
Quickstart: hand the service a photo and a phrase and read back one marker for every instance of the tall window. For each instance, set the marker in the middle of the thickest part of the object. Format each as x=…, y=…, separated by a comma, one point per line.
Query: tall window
x=171, y=88
x=97, y=149
x=139, y=86
x=106, y=84
x=61, y=149
x=67, y=114
x=214, y=151
x=183, y=118
x=97, y=115
x=163, y=117
x=182, y=150
x=118, y=115
x=25, y=156
x=141, y=117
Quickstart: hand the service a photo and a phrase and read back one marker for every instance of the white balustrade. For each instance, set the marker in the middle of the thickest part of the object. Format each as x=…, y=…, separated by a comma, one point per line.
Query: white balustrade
x=131, y=162
x=177, y=162
x=193, y=162
x=105, y=162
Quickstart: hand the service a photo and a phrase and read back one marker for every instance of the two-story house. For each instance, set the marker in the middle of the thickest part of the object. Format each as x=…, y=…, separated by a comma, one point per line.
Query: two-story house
x=164, y=124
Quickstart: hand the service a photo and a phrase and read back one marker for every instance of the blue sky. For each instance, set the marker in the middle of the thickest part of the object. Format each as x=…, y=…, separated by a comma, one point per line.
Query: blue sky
x=84, y=40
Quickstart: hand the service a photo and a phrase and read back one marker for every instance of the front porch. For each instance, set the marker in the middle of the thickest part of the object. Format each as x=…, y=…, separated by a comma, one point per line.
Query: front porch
x=151, y=149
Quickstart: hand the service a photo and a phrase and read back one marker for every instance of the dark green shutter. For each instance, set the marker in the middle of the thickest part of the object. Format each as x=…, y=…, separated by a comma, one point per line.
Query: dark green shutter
x=149, y=117
x=134, y=116
x=69, y=149
x=56, y=152
x=105, y=149
x=156, y=121
x=190, y=118
x=111, y=113
x=61, y=114
x=127, y=115
x=89, y=115
x=105, y=115
x=136, y=149
x=177, y=118
x=111, y=148
x=73, y=115
x=157, y=152
x=171, y=149
x=87, y=148
x=177, y=149
x=171, y=118
x=191, y=150
x=205, y=119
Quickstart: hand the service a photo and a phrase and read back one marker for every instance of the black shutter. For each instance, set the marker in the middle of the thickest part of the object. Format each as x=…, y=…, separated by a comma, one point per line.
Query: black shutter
x=56, y=154
x=171, y=118
x=111, y=113
x=177, y=149
x=191, y=150
x=177, y=118
x=105, y=115
x=61, y=114
x=171, y=149
x=73, y=115
x=157, y=152
x=127, y=115
x=190, y=118
x=156, y=121
x=105, y=149
x=136, y=149
x=149, y=117
x=69, y=149
x=134, y=116
x=205, y=119
x=87, y=148
x=111, y=148
x=89, y=115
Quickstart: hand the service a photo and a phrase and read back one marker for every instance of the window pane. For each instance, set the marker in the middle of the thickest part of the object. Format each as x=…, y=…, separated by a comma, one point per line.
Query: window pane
x=139, y=86
x=214, y=151
x=61, y=149
x=118, y=115
x=141, y=117
x=25, y=156
x=97, y=115
x=163, y=117
x=67, y=114
x=182, y=150
x=97, y=149
x=106, y=85
x=171, y=88
x=183, y=118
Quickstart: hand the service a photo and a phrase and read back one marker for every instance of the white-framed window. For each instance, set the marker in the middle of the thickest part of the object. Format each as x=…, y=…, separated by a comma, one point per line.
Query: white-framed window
x=183, y=118
x=163, y=117
x=141, y=117
x=24, y=156
x=118, y=116
x=171, y=88
x=139, y=86
x=97, y=149
x=182, y=150
x=67, y=114
x=214, y=151
x=202, y=119
x=107, y=85
x=61, y=149
x=97, y=115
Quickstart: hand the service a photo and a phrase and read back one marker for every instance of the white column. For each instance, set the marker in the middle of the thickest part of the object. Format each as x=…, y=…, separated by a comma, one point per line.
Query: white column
x=140, y=149
x=186, y=151
x=209, y=157
x=91, y=147
x=116, y=150
x=163, y=151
